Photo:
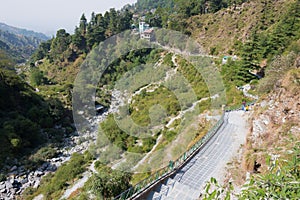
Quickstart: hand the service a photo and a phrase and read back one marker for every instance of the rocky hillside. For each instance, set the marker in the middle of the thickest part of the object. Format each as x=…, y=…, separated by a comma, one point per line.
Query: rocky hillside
x=225, y=31
x=275, y=122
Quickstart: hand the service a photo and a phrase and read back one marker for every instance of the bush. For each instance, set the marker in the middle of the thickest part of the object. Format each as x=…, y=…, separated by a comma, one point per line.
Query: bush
x=109, y=183
x=44, y=153
x=36, y=77
x=52, y=185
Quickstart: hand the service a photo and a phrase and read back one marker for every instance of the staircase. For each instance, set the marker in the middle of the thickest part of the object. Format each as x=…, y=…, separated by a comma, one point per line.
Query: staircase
x=188, y=182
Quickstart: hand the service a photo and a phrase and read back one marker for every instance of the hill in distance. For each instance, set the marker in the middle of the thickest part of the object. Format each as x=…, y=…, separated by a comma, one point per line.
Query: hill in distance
x=19, y=43
x=24, y=32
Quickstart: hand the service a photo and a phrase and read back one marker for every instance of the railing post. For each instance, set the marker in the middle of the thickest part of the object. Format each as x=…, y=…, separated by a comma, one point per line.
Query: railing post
x=171, y=165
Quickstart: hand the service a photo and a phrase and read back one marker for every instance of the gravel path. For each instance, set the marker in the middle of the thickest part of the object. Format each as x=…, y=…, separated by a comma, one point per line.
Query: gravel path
x=80, y=183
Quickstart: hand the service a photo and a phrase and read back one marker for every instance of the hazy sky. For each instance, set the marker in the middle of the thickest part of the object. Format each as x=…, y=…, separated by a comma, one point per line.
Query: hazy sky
x=47, y=16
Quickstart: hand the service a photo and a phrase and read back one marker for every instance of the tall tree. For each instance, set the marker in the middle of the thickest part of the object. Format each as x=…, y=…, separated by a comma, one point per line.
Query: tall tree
x=60, y=44
x=83, y=25
x=96, y=31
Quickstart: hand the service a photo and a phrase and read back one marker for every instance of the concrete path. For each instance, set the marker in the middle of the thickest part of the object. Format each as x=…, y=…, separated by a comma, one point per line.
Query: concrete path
x=211, y=161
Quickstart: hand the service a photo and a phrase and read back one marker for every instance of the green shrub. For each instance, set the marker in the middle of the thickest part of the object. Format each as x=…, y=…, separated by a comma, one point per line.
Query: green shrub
x=53, y=185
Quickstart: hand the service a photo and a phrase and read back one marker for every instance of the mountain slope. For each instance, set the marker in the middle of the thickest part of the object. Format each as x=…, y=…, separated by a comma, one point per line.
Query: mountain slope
x=226, y=31
x=24, y=32
x=19, y=43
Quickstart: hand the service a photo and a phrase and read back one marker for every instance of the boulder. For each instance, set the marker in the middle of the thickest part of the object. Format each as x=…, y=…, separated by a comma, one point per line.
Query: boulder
x=3, y=190
x=51, y=168
x=8, y=184
x=38, y=173
x=23, y=181
x=36, y=184
x=13, y=191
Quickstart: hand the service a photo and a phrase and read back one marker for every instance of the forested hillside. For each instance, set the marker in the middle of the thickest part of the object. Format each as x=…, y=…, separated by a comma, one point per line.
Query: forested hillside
x=256, y=33
x=26, y=119
x=24, y=32
x=19, y=43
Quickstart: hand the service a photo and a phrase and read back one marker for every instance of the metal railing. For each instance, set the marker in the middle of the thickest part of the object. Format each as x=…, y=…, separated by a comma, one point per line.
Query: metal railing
x=173, y=166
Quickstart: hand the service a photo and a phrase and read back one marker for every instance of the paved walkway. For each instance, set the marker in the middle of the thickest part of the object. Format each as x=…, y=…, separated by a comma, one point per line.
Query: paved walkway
x=188, y=183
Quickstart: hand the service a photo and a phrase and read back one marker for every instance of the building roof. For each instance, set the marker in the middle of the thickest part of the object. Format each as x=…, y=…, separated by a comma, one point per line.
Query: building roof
x=148, y=31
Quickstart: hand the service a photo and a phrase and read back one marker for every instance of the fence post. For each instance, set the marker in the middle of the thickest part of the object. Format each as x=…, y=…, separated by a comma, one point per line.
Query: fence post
x=171, y=165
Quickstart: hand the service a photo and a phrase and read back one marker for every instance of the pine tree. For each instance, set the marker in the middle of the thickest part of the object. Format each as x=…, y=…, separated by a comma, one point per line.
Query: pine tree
x=83, y=25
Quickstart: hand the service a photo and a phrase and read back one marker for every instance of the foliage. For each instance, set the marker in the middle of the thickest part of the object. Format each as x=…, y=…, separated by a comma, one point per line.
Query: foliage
x=280, y=182
x=36, y=77
x=108, y=183
x=52, y=185
x=172, y=14
x=142, y=5
x=142, y=104
x=122, y=139
x=18, y=46
x=194, y=78
x=67, y=48
x=43, y=154
x=236, y=73
x=6, y=61
x=266, y=43
x=115, y=134
x=23, y=114
x=42, y=51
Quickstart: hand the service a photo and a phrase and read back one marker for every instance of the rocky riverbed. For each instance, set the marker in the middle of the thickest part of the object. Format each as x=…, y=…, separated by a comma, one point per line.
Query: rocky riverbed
x=19, y=178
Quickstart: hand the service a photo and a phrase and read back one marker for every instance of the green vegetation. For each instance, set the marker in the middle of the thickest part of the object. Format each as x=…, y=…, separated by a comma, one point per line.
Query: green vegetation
x=23, y=118
x=67, y=48
x=172, y=14
x=109, y=183
x=194, y=78
x=53, y=185
x=139, y=110
x=124, y=140
x=275, y=70
x=27, y=119
x=18, y=43
x=105, y=184
x=280, y=182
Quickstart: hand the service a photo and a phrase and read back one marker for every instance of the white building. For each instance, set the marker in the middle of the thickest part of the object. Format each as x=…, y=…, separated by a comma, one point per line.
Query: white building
x=145, y=31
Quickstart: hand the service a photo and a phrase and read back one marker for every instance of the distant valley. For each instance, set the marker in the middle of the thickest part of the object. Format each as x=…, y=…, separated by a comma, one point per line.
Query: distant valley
x=19, y=43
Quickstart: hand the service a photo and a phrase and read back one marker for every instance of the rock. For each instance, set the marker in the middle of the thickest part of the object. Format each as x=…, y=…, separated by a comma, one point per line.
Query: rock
x=3, y=190
x=18, y=192
x=51, y=168
x=36, y=184
x=13, y=191
x=2, y=185
x=12, y=180
x=38, y=173
x=56, y=159
x=23, y=181
x=45, y=165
